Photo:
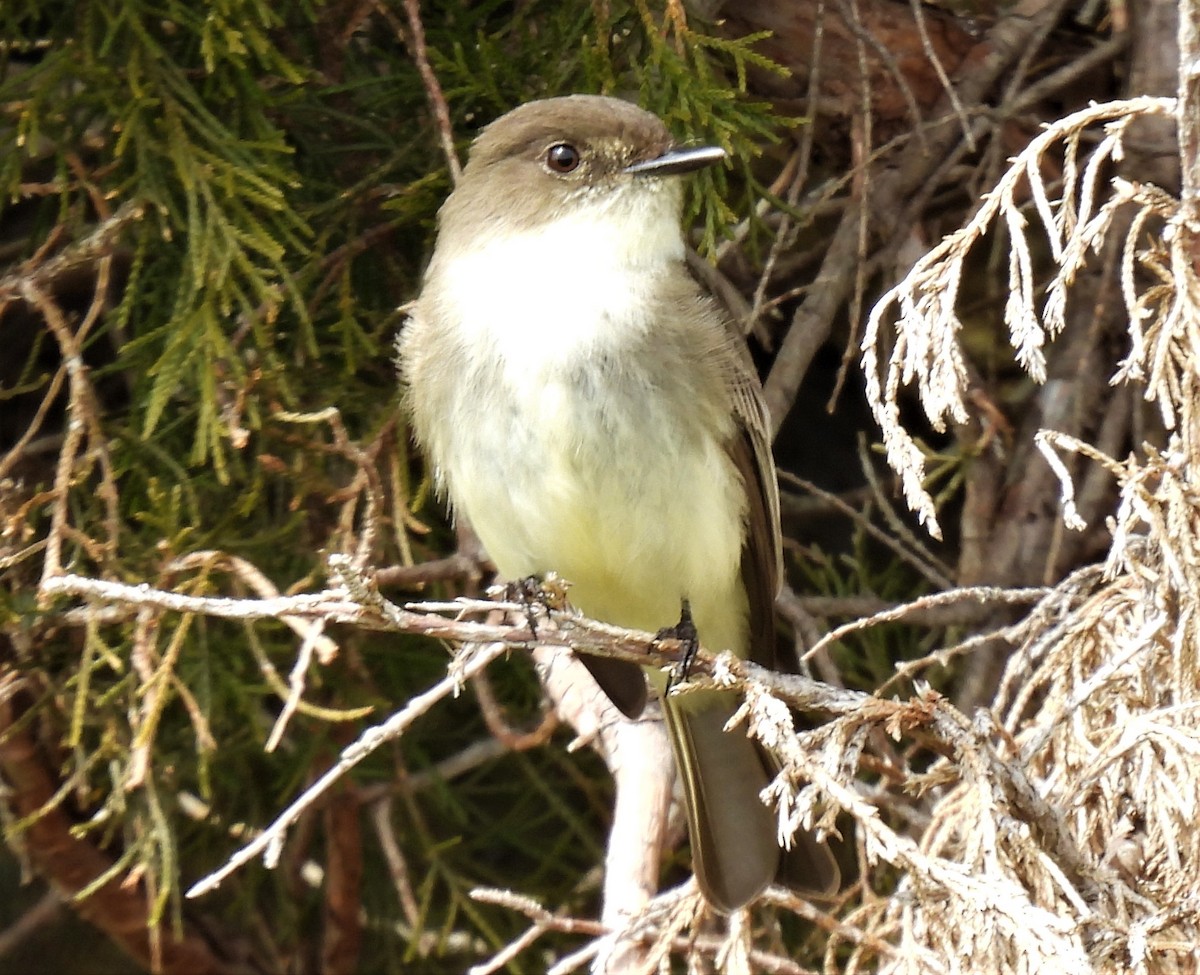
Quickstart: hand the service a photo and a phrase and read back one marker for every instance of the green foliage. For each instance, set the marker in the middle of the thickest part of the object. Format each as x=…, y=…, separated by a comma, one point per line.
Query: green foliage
x=287, y=171
x=185, y=127
x=683, y=77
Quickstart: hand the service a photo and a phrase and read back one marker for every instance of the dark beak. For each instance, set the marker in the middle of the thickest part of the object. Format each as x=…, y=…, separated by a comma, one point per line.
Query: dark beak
x=676, y=161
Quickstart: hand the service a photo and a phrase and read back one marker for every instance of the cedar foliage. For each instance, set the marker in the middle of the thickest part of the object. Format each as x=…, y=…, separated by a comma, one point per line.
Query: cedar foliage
x=238, y=196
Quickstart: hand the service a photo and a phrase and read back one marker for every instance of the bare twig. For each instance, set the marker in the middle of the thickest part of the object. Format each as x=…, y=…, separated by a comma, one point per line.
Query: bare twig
x=414, y=37
x=270, y=841
x=83, y=418
x=48, y=909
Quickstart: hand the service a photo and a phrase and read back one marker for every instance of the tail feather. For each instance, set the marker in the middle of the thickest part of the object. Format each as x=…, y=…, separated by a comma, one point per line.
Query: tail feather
x=734, y=849
x=624, y=683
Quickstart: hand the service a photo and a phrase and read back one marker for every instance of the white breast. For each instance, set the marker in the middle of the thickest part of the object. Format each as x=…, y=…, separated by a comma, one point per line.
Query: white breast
x=571, y=287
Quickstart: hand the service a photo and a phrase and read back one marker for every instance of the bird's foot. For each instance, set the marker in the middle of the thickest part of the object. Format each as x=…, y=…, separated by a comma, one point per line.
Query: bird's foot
x=685, y=632
x=534, y=593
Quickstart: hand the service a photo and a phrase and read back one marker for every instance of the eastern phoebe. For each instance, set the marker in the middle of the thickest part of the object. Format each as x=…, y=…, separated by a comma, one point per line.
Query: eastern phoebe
x=592, y=412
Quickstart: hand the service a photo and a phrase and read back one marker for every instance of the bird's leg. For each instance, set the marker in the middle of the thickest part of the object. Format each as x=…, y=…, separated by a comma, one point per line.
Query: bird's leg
x=685, y=632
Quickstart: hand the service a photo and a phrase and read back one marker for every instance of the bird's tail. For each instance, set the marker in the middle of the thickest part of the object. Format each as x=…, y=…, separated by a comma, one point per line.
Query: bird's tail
x=735, y=853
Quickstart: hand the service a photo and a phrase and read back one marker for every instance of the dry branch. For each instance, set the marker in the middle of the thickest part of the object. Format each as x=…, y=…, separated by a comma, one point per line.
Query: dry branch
x=1074, y=808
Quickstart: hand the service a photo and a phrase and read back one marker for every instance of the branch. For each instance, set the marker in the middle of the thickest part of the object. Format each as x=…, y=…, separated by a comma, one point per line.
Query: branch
x=270, y=842
x=835, y=281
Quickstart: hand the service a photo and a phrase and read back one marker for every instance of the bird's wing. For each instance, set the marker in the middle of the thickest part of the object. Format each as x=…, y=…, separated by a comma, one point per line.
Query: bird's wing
x=762, y=554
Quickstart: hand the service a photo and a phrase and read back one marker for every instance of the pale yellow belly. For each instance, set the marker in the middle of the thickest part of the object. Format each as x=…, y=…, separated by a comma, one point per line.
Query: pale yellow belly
x=636, y=520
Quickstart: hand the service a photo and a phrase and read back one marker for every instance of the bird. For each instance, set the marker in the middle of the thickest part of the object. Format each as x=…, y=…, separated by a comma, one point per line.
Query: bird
x=592, y=412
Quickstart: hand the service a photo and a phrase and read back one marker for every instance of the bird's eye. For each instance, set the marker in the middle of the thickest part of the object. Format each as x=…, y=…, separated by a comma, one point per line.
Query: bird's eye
x=563, y=158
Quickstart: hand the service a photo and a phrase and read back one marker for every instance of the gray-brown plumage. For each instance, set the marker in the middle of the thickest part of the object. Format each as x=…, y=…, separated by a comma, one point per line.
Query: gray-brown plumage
x=592, y=413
